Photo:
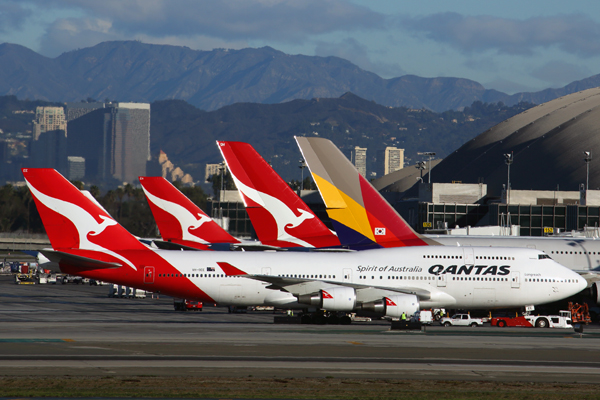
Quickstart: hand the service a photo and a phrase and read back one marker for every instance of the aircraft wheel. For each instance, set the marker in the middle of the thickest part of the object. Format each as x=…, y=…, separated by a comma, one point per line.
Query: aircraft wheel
x=541, y=323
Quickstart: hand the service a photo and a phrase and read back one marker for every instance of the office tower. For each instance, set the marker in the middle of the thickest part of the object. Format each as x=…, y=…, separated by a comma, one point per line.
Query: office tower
x=360, y=160
x=113, y=139
x=76, y=169
x=48, y=119
x=49, y=150
x=211, y=169
x=394, y=160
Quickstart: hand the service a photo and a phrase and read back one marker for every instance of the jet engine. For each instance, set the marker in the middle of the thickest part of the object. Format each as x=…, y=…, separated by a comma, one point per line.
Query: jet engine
x=595, y=291
x=332, y=299
x=393, y=306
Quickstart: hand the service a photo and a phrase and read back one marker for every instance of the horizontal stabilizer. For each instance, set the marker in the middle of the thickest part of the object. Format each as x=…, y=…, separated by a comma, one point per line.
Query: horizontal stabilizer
x=77, y=261
x=165, y=245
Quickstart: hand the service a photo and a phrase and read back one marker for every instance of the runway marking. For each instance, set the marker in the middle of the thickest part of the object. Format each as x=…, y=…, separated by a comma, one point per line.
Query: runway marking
x=34, y=340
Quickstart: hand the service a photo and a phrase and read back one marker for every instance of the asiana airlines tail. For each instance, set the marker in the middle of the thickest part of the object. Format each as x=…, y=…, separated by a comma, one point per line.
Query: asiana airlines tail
x=87, y=242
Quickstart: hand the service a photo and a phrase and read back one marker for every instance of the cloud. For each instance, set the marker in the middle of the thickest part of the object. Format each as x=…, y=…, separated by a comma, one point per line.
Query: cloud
x=560, y=73
x=283, y=20
x=350, y=49
x=72, y=33
x=12, y=15
x=573, y=34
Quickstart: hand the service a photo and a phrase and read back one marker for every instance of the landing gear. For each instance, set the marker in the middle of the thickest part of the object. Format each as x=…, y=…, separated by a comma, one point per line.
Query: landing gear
x=325, y=318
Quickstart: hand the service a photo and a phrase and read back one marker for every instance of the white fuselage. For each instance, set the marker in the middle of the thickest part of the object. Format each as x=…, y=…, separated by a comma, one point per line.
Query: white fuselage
x=442, y=276
x=579, y=254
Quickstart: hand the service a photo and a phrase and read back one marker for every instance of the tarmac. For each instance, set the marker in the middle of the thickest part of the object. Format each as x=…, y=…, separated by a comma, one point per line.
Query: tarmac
x=77, y=330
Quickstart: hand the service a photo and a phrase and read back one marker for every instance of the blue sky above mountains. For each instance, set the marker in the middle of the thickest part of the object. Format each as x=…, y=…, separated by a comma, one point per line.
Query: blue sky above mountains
x=509, y=46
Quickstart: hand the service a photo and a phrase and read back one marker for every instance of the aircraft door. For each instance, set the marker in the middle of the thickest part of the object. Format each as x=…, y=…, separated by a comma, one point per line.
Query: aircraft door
x=515, y=282
x=347, y=275
x=148, y=275
x=441, y=280
x=468, y=259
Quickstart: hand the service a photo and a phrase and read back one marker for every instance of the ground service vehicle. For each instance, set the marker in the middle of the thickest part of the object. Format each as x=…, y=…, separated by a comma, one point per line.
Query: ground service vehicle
x=425, y=317
x=187, y=305
x=461, y=320
x=563, y=320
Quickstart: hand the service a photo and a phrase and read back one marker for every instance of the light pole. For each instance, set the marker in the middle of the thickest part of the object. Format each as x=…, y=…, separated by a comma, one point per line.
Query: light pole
x=222, y=170
x=508, y=159
x=587, y=159
x=302, y=166
x=430, y=154
x=420, y=166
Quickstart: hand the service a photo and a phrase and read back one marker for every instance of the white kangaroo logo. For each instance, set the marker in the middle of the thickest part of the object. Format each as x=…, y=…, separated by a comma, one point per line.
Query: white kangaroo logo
x=283, y=215
x=83, y=221
x=186, y=219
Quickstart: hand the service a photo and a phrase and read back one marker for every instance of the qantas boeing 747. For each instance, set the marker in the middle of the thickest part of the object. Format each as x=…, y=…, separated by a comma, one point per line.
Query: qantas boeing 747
x=87, y=242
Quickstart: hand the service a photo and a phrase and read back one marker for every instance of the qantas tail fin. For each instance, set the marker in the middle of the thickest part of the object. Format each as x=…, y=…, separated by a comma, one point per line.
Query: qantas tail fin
x=73, y=222
x=280, y=218
x=361, y=216
x=179, y=220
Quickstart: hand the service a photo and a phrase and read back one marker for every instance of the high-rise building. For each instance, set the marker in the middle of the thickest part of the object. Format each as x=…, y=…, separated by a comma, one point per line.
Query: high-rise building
x=394, y=160
x=49, y=119
x=360, y=160
x=76, y=170
x=77, y=110
x=114, y=139
x=210, y=170
x=49, y=150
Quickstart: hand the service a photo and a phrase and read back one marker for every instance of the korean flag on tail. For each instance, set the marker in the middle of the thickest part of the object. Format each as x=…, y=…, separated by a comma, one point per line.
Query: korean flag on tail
x=379, y=231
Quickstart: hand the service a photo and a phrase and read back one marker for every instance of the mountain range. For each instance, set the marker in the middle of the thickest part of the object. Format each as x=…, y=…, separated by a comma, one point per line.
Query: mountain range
x=209, y=80
x=188, y=135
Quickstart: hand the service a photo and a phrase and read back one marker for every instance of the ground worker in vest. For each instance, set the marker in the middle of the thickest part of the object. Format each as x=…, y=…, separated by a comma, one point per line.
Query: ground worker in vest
x=403, y=317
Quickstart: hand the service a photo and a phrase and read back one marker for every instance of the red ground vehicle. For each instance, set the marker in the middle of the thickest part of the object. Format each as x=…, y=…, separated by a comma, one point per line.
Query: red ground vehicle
x=507, y=321
x=187, y=305
x=563, y=320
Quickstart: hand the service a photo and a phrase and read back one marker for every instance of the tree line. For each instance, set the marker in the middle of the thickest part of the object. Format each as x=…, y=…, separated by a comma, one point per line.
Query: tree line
x=127, y=205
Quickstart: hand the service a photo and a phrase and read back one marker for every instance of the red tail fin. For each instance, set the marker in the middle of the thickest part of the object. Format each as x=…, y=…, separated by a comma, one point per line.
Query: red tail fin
x=71, y=220
x=74, y=223
x=178, y=219
x=279, y=216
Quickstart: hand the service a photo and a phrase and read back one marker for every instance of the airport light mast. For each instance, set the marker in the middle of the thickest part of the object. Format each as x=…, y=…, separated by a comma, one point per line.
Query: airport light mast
x=430, y=154
x=587, y=159
x=420, y=166
x=301, y=166
x=508, y=159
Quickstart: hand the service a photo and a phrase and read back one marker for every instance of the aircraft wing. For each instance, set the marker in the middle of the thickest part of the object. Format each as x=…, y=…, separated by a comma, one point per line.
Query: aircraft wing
x=300, y=286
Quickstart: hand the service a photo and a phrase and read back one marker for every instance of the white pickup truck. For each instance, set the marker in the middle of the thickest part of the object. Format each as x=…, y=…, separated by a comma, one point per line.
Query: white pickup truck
x=461, y=320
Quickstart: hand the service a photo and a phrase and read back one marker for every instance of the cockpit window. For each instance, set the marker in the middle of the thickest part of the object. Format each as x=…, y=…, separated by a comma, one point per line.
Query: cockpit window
x=543, y=256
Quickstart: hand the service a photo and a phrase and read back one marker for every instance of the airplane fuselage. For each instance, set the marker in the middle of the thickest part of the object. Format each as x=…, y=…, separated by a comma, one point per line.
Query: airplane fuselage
x=579, y=254
x=440, y=276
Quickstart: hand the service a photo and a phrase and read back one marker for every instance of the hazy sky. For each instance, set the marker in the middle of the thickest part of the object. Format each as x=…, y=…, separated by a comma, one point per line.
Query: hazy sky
x=505, y=45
